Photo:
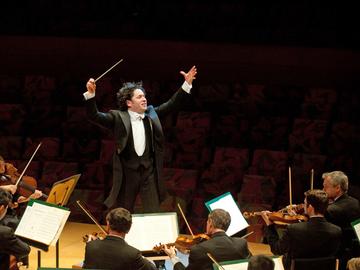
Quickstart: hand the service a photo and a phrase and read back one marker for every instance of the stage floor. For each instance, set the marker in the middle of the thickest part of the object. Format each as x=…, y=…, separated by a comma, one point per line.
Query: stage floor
x=72, y=247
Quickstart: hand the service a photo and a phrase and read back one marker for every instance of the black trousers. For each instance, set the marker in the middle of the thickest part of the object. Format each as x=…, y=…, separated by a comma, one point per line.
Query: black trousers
x=139, y=181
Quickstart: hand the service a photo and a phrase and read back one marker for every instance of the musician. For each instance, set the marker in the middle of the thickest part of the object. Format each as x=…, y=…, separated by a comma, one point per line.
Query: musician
x=311, y=239
x=353, y=264
x=261, y=262
x=9, y=243
x=137, y=163
x=113, y=252
x=220, y=245
x=9, y=175
x=342, y=210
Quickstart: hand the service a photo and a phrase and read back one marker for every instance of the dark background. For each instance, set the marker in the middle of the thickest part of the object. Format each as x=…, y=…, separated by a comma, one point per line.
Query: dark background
x=279, y=76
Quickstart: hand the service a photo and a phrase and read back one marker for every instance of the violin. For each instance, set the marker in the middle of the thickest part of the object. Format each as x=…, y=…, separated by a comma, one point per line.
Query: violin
x=285, y=216
x=88, y=237
x=184, y=243
x=93, y=236
x=27, y=185
x=13, y=263
x=282, y=217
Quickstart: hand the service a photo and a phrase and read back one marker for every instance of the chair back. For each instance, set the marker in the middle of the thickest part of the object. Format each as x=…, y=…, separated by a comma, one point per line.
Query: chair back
x=322, y=263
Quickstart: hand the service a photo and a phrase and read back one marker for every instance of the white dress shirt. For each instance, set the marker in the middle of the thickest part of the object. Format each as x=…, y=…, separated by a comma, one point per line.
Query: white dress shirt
x=138, y=131
x=137, y=124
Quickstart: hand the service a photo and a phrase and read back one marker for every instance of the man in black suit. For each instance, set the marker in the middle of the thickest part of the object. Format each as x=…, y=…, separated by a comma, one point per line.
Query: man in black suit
x=342, y=210
x=138, y=160
x=113, y=252
x=9, y=243
x=220, y=246
x=311, y=239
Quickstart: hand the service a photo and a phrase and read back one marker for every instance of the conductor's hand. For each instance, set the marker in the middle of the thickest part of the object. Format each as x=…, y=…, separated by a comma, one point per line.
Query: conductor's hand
x=91, y=86
x=264, y=215
x=190, y=75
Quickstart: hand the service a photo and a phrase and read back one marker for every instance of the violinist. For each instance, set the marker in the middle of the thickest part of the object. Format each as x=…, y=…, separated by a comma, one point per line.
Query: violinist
x=221, y=246
x=312, y=239
x=8, y=178
x=113, y=252
x=342, y=210
x=9, y=243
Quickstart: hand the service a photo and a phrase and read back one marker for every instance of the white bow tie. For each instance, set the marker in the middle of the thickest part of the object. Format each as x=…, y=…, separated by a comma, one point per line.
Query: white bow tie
x=139, y=116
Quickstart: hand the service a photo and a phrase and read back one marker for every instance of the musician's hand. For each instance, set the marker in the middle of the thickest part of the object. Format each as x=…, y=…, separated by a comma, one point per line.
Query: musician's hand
x=190, y=75
x=10, y=188
x=170, y=251
x=91, y=86
x=22, y=199
x=92, y=237
x=36, y=195
x=264, y=215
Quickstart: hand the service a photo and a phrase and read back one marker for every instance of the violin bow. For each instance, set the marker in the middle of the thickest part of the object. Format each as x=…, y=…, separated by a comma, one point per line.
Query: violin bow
x=91, y=217
x=246, y=235
x=27, y=165
x=187, y=224
x=102, y=75
x=290, y=191
x=214, y=261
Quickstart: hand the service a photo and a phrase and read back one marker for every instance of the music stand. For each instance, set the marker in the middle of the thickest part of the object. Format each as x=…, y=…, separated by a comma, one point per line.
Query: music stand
x=61, y=190
x=59, y=194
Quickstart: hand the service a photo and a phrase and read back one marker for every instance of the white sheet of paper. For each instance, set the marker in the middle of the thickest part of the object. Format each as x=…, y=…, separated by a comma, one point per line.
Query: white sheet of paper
x=357, y=228
x=42, y=223
x=228, y=203
x=149, y=230
x=244, y=265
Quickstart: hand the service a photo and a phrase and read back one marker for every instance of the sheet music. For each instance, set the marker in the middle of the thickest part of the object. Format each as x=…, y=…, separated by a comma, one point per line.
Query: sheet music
x=149, y=230
x=42, y=223
x=244, y=265
x=228, y=203
x=356, y=226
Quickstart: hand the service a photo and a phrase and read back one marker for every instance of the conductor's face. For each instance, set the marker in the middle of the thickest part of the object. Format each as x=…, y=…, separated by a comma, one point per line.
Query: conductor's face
x=138, y=102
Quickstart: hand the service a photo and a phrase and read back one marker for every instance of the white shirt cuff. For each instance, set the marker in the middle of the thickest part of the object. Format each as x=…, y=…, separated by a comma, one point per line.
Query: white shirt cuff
x=186, y=87
x=88, y=95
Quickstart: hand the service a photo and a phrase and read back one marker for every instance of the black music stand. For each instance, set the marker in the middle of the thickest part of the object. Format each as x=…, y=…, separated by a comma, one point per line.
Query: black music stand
x=59, y=194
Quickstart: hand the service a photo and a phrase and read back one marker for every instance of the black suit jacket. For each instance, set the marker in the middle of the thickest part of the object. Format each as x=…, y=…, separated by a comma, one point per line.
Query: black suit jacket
x=114, y=253
x=11, y=245
x=221, y=247
x=342, y=212
x=311, y=239
x=119, y=122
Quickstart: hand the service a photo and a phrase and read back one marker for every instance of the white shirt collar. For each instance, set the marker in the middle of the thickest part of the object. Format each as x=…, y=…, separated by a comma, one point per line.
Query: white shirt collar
x=134, y=116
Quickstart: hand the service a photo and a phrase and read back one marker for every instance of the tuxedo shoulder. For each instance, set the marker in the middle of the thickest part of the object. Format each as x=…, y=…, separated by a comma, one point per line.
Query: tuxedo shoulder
x=5, y=232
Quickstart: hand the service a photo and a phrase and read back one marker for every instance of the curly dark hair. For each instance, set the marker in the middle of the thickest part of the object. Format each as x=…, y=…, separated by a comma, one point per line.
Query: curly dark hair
x=126, y=92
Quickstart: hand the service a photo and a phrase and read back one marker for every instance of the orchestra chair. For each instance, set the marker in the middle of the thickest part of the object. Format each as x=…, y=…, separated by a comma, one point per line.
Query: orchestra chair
x=321, y=263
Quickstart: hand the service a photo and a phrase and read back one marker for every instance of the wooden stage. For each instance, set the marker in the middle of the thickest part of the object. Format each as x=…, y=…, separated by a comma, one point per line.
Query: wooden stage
x=72, y=248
